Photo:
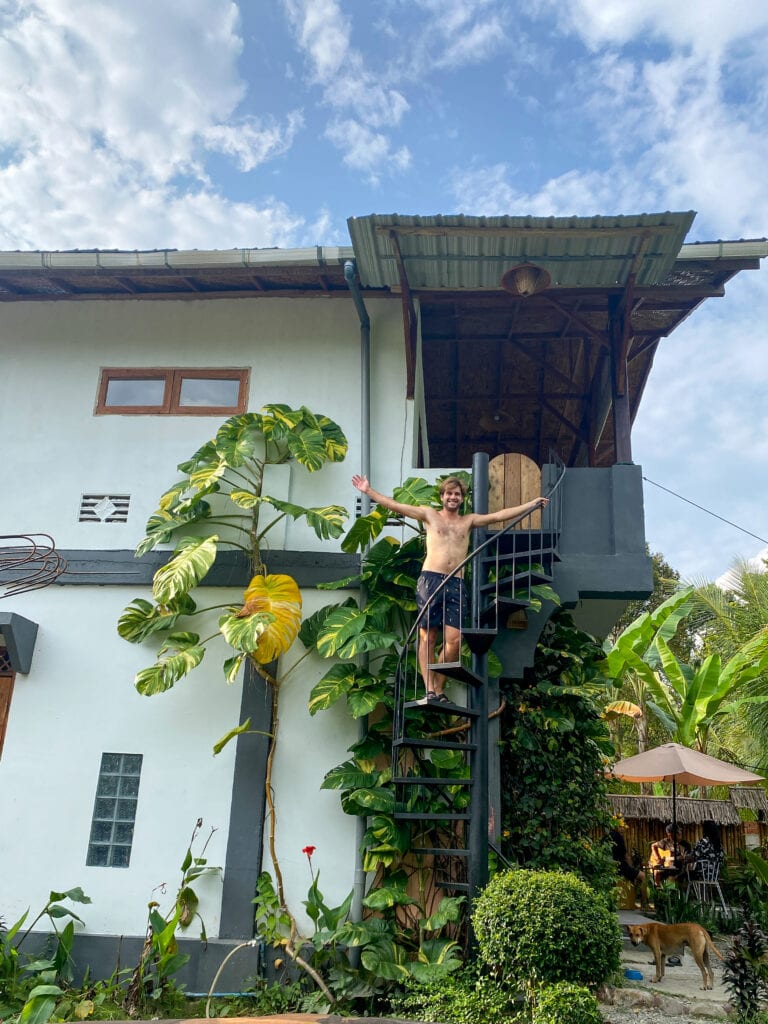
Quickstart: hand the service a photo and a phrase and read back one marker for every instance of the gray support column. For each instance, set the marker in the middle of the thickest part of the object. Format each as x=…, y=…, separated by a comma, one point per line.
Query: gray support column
x=245, y=842
x=478, y=825
x=622, y=420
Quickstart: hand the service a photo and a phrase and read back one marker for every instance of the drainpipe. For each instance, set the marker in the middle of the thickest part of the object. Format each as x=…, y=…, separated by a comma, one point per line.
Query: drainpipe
x=358, y=888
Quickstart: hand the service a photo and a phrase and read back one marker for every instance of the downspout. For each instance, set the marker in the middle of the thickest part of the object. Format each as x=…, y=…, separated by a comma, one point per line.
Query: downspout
x=358, y=887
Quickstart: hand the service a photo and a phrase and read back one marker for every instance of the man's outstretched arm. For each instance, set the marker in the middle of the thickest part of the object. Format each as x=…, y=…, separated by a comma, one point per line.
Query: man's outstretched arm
x=508, y=513
x=411, y=511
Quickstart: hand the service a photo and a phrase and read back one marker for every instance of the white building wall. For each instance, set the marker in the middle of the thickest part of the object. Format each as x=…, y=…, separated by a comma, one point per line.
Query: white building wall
x=78, y=701
x=299, y=351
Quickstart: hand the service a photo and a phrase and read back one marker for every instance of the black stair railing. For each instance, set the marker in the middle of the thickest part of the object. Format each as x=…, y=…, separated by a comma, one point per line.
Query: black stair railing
x=504, y=569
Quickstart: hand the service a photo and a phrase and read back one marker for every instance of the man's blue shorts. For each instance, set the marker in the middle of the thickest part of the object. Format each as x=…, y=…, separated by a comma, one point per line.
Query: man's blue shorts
x=448, y=608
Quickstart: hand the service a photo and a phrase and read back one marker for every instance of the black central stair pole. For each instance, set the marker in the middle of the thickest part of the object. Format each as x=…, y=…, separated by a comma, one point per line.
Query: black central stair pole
x=478, y=823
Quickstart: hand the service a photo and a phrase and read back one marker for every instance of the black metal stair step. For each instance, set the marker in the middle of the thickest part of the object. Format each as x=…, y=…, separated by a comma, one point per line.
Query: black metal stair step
x=527, y=540
x=420, y=742
x=512, y=554
x=447, y=884
x=520, y=582
x=447, y=851
x=479, y=641
x=431, y=815
x=504, y=606
x=445, y=707
x=455, y=670
x=430, y=780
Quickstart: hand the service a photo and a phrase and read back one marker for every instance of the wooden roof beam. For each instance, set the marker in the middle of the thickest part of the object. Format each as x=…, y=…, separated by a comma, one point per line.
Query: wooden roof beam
x=587, y=328
x=576, y=431
x=539, y=361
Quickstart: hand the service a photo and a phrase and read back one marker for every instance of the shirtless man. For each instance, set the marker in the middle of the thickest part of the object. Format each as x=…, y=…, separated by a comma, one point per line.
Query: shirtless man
x=447, y=536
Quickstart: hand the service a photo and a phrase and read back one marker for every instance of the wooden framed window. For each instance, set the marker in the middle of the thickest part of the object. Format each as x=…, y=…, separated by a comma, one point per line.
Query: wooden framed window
x=171, y=391
x=7, y=676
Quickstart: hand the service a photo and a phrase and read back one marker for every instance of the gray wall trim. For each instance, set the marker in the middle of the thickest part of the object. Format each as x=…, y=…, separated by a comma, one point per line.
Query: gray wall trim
x=101, y=954
x=245, y=843
x=119, y=567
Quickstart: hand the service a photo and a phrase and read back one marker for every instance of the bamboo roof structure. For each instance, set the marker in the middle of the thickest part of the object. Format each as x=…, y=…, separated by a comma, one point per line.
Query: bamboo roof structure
x=690, y=811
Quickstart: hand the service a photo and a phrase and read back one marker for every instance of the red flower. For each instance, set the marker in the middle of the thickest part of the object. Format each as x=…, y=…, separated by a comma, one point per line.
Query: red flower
x=309, y=850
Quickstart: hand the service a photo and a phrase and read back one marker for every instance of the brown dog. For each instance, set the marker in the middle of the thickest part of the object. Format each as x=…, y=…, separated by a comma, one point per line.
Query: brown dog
x=664, y=938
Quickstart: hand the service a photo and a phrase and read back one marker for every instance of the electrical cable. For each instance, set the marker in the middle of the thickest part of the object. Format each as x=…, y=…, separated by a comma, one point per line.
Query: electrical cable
x=709, y=513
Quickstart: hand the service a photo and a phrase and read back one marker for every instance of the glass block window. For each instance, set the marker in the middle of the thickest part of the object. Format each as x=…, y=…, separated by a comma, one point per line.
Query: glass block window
x=114, y=811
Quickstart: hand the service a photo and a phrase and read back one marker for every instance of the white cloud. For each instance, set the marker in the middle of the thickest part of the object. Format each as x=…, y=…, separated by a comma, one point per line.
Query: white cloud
x=349, y=88
x=322, y=32
x=490, y=192
x=707, y=26
x=106, y=114
x=367, y=150
x=251, y=141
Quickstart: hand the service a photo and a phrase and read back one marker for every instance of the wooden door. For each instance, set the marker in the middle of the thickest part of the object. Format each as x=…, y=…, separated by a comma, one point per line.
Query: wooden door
x=513, y=480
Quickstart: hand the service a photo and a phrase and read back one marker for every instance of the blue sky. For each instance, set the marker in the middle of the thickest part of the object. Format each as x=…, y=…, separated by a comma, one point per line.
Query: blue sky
x=213, y=124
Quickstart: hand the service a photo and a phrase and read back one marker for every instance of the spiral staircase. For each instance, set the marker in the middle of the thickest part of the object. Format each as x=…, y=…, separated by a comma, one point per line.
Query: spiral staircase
x=440, y=751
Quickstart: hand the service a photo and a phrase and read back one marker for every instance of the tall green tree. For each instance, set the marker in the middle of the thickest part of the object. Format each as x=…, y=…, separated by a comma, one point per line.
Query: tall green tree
x=727, y=615
x=630, y=654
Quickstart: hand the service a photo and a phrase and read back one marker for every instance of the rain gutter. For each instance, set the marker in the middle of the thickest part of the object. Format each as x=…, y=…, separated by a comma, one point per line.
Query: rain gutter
x=361, y=822
x=173, y=259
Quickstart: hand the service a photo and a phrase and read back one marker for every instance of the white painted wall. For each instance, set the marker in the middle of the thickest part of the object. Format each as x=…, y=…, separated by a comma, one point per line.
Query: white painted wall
x=78, y=700
x=299, y=351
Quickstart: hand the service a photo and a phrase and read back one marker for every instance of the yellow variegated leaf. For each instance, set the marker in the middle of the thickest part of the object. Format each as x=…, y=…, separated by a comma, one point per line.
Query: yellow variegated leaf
x=622, y=707
x=279, y=595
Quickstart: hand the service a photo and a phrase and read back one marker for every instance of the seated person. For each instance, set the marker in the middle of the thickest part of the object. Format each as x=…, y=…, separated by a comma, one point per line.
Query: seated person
x=707, y=851
x=662, y=861
x=624, y=865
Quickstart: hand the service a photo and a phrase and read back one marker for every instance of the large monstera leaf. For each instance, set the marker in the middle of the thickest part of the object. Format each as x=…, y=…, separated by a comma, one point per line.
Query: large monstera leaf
x=312, y=440
x=278, y=596
x=142, y=618
x=180, y=653
x=163, y=523
x=240, y=437
x=191, y=561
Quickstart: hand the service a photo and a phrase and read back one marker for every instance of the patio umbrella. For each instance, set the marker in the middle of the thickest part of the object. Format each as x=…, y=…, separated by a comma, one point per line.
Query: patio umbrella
x=675, y=763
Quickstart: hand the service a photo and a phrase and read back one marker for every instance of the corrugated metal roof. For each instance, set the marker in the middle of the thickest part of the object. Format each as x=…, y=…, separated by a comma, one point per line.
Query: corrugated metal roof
x=455, y=252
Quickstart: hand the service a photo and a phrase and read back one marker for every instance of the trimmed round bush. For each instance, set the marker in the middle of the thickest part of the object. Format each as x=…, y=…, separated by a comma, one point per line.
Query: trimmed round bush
x=541, y=927
x=566, y=1003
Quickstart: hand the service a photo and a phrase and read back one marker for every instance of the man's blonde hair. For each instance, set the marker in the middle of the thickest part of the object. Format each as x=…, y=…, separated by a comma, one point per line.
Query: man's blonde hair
x=453, y=481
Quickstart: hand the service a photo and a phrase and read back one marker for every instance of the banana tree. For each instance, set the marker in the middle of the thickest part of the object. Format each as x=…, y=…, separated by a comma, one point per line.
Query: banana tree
x=691, y=701
x=219, y=504
x=687, y=700
x=632, y=653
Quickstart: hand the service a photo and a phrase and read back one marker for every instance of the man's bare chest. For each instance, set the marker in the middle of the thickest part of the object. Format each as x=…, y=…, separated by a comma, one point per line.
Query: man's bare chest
x=448, y=532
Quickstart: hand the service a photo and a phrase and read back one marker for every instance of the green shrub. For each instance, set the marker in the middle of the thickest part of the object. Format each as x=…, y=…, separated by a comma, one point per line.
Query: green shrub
x=541, y=927
x=466, y=997
x=566, y=1003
